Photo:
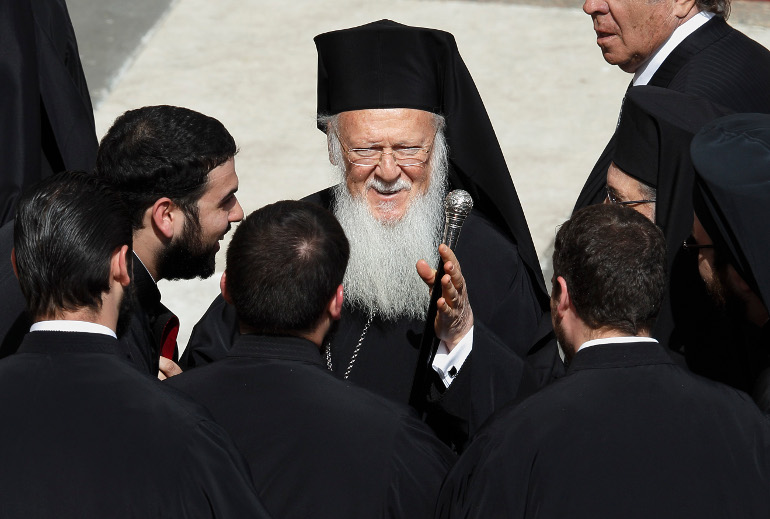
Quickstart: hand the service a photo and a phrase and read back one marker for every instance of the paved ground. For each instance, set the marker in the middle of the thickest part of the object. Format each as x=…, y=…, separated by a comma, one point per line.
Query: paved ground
x=252, y=64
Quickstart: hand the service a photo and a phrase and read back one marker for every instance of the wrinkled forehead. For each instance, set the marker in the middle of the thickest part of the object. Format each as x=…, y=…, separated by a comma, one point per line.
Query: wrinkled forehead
x=390, y=123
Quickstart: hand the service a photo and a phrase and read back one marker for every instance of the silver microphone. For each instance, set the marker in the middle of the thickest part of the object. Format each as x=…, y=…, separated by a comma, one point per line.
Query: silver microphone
x=457, y=206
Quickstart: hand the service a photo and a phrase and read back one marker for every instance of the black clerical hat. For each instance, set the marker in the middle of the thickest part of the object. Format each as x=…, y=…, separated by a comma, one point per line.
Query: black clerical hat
x=653, y=145
x=385, y=64
x=732, y=193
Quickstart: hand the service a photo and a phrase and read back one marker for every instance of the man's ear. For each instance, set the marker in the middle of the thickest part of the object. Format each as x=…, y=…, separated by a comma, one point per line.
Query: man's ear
x=13, y=262
x=163, y=214
x=563, y=300
x=332, y=158
x=682, y=8
x=223, y=288
x=335, y=305
x=119, y=266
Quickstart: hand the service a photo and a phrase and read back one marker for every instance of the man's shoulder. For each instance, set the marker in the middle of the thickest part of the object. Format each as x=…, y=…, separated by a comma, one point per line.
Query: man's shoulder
x=721, y=64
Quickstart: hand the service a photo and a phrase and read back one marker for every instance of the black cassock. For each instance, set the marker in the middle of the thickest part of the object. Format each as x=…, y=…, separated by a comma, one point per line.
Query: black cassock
x=85, y=435
x=317, y=446
x=626, y=433
x=505, y=307
x=47, y=122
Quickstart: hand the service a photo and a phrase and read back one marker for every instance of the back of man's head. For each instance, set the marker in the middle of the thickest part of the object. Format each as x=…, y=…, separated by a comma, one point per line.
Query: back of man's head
x=284, y=264
x=162, y=151
x=66, y=230
x=613, y=261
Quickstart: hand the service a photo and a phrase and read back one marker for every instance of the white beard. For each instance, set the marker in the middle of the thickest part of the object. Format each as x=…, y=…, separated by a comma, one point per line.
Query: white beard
x=381, y=276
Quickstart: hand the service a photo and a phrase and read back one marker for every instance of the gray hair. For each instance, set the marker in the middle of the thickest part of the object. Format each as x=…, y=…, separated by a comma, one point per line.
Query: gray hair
x=718, y=7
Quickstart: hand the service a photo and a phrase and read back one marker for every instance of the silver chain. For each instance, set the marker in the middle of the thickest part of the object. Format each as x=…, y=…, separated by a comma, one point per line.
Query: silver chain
x=355, y=351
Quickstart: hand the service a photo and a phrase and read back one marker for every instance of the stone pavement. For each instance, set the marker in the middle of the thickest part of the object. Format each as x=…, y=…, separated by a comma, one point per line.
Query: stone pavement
x=252, y=64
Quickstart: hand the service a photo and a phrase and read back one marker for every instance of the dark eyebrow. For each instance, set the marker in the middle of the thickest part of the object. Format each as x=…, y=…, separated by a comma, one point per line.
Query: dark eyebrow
x=614, y=193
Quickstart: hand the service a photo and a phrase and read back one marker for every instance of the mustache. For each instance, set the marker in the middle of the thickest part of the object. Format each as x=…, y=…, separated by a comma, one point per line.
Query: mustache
x=400, y=184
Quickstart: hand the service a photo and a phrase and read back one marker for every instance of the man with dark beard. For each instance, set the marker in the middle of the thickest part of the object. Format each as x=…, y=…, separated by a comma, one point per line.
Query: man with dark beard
x=402, y=128
x=730, y=235
x=175, y=169
x=626, y=432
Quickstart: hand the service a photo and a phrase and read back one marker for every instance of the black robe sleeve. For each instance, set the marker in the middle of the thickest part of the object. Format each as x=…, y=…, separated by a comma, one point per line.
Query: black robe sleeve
x=212, y=337
x=491, y=377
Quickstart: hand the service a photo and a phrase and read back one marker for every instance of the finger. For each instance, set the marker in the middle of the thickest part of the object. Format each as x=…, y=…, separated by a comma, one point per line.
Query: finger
x=168, y=367
x=427, y=274
x=451, y=265
x=161, y=376
x=448, y=291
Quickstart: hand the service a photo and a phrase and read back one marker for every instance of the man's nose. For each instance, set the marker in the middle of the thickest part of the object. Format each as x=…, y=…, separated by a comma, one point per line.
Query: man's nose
x=388, y=170
x=236, y=213
x=595, y=7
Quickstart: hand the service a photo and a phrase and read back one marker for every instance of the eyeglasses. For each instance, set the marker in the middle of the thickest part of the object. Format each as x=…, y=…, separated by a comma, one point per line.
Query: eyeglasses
x=371, y=157
x=613, y=200
x=690, y=245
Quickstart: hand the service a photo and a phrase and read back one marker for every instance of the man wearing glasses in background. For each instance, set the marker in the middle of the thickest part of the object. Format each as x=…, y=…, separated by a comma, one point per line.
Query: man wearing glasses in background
x=405, y=123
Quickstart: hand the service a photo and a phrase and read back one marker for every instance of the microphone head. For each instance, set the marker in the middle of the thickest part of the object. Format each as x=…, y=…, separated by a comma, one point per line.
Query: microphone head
x=458, y=203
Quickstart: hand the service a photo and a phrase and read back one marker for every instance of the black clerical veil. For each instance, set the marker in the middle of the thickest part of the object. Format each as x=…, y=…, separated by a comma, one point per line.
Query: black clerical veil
x=732, y=193
x=385, y=64
x=652, y=145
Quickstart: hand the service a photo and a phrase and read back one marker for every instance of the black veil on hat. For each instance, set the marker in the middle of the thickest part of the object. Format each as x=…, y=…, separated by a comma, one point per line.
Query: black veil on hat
x=385, y=64
x=653, y=145
x=732, y=193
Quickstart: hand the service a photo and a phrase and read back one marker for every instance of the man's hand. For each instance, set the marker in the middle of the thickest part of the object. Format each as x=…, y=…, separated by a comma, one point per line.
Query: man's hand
x=454, y=317
x=168, y=368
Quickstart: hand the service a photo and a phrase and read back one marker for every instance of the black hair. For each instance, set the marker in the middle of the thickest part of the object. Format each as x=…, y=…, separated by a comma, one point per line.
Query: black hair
x=163, y=151
x=284, y=264
x=613, y=260
x=67, y=227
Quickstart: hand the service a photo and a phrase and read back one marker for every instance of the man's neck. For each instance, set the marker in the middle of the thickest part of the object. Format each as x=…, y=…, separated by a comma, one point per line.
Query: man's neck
x=85, y=315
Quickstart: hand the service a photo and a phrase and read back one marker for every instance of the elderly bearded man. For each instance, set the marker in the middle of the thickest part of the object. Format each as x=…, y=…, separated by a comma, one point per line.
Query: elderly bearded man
x=402, y=125
x=682, y=45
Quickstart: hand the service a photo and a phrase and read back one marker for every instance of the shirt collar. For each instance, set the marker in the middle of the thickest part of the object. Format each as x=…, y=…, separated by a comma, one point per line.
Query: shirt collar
x=65, y=325
x=645, y=72
x=615, y=340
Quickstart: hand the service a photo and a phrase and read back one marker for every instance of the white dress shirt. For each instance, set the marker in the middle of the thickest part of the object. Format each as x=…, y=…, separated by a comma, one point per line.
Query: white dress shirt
x=615, y=340
x=65, y=325
x=447, y=363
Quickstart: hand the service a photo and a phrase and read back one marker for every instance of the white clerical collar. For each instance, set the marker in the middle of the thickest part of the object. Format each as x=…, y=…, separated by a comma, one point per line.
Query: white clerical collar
x=645, y=72
x=65, y=325
x=615, y=340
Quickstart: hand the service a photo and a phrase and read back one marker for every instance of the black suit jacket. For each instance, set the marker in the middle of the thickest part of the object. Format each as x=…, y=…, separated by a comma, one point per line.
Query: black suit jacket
x=85, y=435
x=318, y=446
x=626, y=433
